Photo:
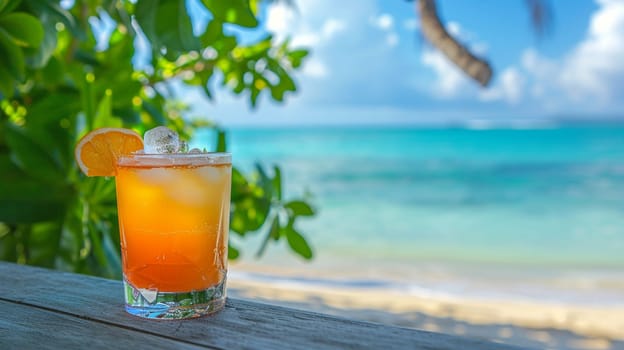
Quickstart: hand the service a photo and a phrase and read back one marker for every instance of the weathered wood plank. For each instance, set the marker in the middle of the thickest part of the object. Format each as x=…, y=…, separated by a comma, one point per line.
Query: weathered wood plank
x=24, y=327
x=242, y=325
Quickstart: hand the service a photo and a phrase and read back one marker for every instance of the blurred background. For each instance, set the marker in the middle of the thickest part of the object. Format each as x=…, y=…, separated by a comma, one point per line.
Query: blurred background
x=455, y=166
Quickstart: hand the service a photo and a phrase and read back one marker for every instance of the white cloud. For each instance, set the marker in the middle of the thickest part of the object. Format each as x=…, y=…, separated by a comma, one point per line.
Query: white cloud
x=283, y=19
x=315, y=68
x=450, y=80
x=284, y=22
x=454, y=29
x=411, y=24
x=589, y=76
x=392, y=39
x=595, y=66
x=510, y=87
x=479, y=49
x=383, y=21
x=537, y=66
x=280, y=19
x=331, y=27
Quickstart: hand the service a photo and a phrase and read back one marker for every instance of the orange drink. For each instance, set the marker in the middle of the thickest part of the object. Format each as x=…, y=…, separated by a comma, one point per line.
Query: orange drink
x=173, y=221
x=174, y=211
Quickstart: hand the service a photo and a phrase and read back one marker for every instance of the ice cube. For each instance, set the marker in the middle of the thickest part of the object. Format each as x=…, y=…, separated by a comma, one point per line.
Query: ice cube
x=161, y=140
x=150, y=295
x=211, y=174
x=189, y=189
x=156, y=175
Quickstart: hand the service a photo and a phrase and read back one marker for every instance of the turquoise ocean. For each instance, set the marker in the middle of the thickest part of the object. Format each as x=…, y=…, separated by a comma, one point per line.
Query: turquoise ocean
x=522, y=213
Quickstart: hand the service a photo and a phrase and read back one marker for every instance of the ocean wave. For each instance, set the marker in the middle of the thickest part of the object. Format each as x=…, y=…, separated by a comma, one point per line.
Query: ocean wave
x=517, y=124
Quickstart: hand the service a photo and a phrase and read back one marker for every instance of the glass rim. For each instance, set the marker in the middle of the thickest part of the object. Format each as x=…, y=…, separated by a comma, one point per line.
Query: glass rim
x=172, y=159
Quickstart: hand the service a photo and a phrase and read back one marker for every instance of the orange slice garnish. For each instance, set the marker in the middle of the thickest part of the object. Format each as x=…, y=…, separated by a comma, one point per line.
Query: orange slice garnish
x=98, y=151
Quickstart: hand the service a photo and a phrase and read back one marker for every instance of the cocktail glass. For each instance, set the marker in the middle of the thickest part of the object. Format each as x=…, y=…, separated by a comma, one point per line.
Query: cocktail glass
x=173, y=220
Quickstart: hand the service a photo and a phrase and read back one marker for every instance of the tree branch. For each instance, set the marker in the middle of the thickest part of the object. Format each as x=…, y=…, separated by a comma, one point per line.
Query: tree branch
x=436, y=34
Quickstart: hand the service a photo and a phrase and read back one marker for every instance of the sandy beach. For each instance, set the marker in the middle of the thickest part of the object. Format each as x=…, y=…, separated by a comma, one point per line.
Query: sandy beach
x=544, y=325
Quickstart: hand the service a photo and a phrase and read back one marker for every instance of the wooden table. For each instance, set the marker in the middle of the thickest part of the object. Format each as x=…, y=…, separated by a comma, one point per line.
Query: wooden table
x=42, y=309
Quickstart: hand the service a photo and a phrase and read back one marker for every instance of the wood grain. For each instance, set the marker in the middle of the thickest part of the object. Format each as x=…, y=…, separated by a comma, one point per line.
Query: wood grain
x=79, y=300
x=23, y=327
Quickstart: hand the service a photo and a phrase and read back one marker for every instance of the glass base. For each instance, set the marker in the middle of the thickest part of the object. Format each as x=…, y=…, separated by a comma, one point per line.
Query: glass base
x=150, y=303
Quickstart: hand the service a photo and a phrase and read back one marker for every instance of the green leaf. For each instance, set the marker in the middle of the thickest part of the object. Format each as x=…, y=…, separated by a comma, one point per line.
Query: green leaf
x=232, y=11
x=275, y=230
x=158, y=117
x=86, y=57
x=120, y=14
x=25, y=200
x=43, y=243
x=37, y=58
x=8, y=247
x=184, y=35
x=87, y=96
x=273, y=233
x=104, y=115
x=20, y=211
x=24, y=29
x=6, y=83
x=213, y=32
x=111, y=251
x=207, y=91
x=249, y=213
x=264, y=181
x=30, y=157
x=145, y=14
x=221, y=141
x=286, y=84
x=254, y=96
x=167, y=24
x=233, y=253
x=258, y=50
x=7, y=6
x=125, y=90
x=296, y=57
x=298, y=244
x=51, y=123
x=103, y=249
x=128, y=115
x=11, y=57
x=97, y=250
x=52, y=73
x=224, y=45
x=71, y=236
x=53, y=12
x=277, y=182
x=251, y=203
x=300, y=208
x=240, y=185
x=52, y=108
x=101, y=191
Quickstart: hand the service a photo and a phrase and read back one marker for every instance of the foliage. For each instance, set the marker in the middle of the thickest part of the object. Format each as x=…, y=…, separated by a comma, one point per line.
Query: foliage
x=60, y=78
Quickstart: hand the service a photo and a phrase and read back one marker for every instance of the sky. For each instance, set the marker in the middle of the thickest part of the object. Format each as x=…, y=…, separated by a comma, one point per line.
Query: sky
x=369, y=65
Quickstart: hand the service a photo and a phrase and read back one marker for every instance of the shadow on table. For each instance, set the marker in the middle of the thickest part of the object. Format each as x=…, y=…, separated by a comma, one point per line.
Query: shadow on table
x=502, y=333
